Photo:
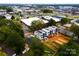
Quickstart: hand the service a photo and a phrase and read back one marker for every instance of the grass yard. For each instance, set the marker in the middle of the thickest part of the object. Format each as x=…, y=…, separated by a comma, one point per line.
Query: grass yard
x=3, y=54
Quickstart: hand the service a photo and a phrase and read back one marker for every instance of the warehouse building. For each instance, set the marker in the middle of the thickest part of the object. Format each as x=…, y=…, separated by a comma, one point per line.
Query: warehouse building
x=28, y=21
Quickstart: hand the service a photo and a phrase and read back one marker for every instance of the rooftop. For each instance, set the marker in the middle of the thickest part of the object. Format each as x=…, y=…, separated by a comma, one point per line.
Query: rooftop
x=57, y=19
x=8, y=16
x=29, y=20
x=75, y=21
x=1, y=10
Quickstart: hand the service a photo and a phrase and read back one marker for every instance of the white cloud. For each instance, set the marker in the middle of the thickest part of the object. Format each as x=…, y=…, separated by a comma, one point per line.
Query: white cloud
x=41, y=1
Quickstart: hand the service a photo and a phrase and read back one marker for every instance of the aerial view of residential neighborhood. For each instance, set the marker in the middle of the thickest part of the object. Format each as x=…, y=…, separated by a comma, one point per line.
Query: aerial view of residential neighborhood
x=39, y=30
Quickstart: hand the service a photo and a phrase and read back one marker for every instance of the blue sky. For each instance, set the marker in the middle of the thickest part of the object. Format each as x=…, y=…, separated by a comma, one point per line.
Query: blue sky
x=41, y=1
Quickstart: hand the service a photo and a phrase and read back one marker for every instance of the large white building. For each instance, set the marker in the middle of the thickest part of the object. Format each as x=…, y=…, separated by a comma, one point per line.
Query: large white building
x=8, y=16
x=28, y=21
x=2, y=12
x=56, y=19
x=44, y=33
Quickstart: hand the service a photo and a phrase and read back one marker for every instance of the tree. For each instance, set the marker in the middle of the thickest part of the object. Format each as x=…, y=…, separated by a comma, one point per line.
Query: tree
x=3, y=33
x=3, y=7
x=64, y=20
x=12, y=17
x=12, y=39
x=9, y=9
x=11, y=35
x=15, y=41
x=70, y=49
x=75, y=29
x=36, y=47
x=51, y=22
x=36, y=25
x=2, y=17
x=47, y=11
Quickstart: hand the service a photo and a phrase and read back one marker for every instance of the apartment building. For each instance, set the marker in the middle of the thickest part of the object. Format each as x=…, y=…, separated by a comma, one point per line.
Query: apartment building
x=40, y=34
x=45, y=32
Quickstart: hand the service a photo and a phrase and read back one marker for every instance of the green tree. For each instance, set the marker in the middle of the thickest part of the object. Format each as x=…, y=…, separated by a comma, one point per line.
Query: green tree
x=15, y=41
x=70, y=49
x=3, y=33
x=47, y=11
x=3, y=7
x=36, y=47
x=11, y=35
x=51, y=22
x=36, y=25
x=2, y=17
x=9, y=9
x=64, y=20
x=12, y=17
x=75, y=29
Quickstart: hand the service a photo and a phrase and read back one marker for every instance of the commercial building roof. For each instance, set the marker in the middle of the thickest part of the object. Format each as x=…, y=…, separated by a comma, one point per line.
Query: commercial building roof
x=8, y=16
x=47, y=17
x=29, y=20
x=75, y=21
x=57, y=19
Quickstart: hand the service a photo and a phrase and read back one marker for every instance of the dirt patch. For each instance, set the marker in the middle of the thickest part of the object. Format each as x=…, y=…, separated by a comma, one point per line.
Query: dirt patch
x=55, y=41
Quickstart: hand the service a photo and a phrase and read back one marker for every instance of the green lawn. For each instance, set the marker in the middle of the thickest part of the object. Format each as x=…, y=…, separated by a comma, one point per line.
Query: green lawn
x=76, y=16
x=3, y=54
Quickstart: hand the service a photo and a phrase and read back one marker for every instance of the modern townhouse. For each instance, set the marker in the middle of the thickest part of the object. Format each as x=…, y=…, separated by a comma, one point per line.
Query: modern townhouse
x=45, y=32
x=40, y=34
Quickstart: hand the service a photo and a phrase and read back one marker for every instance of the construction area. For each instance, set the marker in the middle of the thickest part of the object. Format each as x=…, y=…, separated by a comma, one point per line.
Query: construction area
x=55, y=41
